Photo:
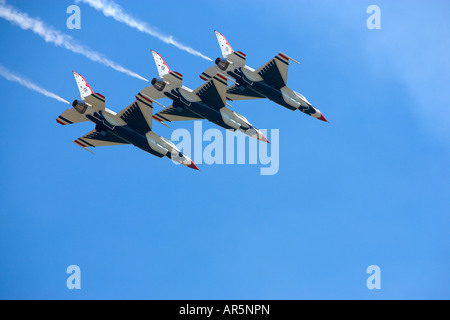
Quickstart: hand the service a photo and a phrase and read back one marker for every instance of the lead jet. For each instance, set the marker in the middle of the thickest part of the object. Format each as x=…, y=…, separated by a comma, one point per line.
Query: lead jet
x=133, y=125
x=206, y=102
x=269, y=81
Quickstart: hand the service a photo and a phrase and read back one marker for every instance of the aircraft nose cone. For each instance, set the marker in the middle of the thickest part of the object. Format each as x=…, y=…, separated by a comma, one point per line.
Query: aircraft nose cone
x=263, y=138
x=322, y=118
x=193, y=166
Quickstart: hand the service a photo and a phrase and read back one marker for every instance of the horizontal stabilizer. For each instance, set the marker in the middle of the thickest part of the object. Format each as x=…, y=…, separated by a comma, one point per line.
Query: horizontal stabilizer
x=174, y=78
x=238, y=59
x=152, y=93
x=70, y=116
x=96, y=100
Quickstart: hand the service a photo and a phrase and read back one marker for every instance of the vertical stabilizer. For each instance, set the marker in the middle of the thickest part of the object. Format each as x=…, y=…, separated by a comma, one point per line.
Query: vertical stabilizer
x=224, y=45
x=83, y=86
x=162, y=66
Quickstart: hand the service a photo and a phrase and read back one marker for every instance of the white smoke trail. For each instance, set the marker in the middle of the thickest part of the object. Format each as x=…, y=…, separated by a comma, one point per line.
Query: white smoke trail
x=112, y=9
x=30, y=85
x=57, y=38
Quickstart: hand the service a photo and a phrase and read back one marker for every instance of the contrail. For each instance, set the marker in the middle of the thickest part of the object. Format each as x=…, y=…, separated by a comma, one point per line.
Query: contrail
x=58, y=38
x=112, y=9
x=30, y=85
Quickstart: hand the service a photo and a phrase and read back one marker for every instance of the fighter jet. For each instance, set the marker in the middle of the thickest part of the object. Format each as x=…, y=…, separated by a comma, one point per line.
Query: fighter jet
x=269, y=81
x=133, y=125
x=206, y=102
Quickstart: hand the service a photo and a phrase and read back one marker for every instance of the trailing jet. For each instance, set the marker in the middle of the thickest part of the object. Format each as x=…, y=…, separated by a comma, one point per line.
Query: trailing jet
x=133, y=125
x=269, y=81
x=206, y=102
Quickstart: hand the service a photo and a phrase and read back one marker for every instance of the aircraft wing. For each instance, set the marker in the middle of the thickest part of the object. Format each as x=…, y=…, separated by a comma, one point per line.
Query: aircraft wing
x=138, y=115
x=173, y=113
x=214, y=91
x=99, y=139
x=275, y=71
x=238, y=92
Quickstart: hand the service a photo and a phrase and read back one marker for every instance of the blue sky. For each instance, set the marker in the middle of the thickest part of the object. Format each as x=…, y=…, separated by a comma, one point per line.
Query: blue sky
x=369, y=188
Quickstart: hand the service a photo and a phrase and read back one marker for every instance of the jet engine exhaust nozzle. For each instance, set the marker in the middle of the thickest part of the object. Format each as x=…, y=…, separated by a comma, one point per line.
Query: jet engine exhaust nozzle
x=159, y=84
x=79, y=106
x=222, y=64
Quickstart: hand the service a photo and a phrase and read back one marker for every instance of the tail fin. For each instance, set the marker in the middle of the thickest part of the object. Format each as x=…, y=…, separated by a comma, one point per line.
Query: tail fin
x=237, y=57
x=164, y=72
x=162, y=66
x=96, y=100
x=86, y=93
x=84, y=88
x=224, y=45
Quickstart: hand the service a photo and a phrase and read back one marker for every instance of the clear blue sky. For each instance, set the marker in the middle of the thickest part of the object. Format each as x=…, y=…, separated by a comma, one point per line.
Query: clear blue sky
x=370, y=188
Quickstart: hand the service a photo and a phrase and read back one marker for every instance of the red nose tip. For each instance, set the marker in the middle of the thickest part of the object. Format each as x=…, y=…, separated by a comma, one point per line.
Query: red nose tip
x=263, y=138
x=322, y=118
x=193, y=166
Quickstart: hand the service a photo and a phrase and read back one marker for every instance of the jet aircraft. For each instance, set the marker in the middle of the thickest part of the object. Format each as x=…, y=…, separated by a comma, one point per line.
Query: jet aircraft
x=133, y=125
x=206, y=102
x=269, y=81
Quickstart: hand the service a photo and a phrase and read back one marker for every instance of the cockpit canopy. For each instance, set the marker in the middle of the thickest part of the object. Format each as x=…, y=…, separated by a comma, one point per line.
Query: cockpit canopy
x=241, y=116
x=301, y=96
x=170, y=143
